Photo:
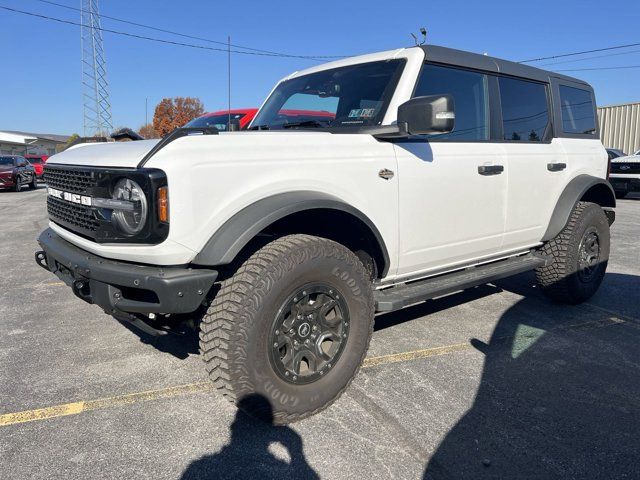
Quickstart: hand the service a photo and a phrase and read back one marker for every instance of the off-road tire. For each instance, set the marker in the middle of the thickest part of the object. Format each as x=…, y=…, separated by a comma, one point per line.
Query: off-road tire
x=234, y=332
x=561, y=280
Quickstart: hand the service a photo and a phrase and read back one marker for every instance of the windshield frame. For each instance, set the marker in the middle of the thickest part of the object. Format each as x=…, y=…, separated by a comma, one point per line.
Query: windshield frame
x=387, y=99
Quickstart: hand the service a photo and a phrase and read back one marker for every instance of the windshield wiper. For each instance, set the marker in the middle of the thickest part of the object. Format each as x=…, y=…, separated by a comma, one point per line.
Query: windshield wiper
x=306, y=123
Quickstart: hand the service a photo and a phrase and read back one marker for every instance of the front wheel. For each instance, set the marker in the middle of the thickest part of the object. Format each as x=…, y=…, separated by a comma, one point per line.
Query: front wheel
x=17, y=186
x=291, y=326
x=579, y=256
x=33, y=184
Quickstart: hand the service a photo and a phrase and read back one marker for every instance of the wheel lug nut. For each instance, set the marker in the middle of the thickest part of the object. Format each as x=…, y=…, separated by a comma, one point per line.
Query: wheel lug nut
x=295, y=378
x=286, y=374
x=314, y=328
x=275, y=345
x=277, y=332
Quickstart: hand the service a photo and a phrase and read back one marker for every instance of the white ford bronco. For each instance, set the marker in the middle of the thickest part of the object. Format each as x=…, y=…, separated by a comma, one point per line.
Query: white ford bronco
x=404, y=176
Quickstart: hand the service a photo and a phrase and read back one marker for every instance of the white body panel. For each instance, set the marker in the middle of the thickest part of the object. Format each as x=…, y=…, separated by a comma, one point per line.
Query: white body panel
x=436, y=213
x=449, y=214
x=230, y=171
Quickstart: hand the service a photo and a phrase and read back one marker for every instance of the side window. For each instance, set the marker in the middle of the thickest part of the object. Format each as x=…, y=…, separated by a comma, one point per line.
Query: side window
x=578, y=114
x=469, y=91
x=525, y=110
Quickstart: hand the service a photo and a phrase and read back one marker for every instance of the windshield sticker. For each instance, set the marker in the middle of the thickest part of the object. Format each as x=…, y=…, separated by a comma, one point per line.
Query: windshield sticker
x=362, y=113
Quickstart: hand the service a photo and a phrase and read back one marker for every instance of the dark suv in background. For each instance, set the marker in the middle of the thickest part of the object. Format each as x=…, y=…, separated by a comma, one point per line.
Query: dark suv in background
x=16, y=172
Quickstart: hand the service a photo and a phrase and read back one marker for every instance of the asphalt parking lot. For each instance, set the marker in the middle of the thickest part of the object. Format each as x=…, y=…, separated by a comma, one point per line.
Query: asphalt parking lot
x=494, y=382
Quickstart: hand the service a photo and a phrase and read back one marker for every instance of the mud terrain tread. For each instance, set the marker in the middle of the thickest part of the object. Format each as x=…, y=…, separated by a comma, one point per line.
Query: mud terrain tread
x=224, y=328
x=554, y=279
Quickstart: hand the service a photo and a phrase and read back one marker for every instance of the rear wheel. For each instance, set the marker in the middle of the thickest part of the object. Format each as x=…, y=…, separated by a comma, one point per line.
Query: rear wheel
x=579, y=256
x=291, y=326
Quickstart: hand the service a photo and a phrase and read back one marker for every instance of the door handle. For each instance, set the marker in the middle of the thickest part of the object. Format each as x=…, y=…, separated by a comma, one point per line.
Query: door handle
x=490, y=169
x=556, y=167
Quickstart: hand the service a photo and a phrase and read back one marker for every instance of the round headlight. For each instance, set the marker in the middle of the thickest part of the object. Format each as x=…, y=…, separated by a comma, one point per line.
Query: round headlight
x=130, y=219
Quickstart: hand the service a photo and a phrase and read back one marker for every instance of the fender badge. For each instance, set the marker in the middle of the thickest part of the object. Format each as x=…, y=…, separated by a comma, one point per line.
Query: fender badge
x=386, y=174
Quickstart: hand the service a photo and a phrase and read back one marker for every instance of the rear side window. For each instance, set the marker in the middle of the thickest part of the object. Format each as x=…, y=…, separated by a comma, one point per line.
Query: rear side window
x=525, y=110
x=469, y=91
x=578, y=114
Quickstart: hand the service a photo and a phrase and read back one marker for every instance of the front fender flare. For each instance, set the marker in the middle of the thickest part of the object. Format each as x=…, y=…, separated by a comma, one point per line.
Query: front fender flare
x=242, y=227
x=571, y=195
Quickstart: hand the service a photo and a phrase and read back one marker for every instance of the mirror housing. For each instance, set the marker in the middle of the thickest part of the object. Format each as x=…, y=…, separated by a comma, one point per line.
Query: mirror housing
x=429, y=115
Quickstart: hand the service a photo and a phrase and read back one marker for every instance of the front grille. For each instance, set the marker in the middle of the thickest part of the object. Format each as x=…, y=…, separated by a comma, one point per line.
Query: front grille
x=76, y=217
x=68, y=179
x=625, y=167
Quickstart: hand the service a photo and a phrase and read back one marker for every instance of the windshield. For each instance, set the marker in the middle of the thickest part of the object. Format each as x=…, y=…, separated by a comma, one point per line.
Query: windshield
x=7, y=161
x=218, y=121
x=355, y=95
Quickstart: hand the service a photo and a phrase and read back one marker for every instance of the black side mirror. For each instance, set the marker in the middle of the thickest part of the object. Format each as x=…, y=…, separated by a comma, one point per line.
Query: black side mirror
x=428, y=115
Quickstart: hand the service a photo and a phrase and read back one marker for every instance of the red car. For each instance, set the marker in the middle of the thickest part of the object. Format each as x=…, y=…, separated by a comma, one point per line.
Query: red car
x=38, y=162
x=241, y=117
x=16, y=172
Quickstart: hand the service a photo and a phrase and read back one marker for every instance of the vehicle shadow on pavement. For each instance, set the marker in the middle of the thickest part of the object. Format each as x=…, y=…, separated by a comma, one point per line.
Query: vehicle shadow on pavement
x=386, y=320
x=247, y=455
x=559, y=394
x=180, y=344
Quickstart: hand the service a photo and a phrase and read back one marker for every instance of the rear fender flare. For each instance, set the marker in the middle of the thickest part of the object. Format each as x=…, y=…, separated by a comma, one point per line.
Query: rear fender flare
x=575, y=191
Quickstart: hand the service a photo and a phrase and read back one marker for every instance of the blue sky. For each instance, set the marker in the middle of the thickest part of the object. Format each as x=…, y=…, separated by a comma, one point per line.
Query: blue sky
x=40, y=79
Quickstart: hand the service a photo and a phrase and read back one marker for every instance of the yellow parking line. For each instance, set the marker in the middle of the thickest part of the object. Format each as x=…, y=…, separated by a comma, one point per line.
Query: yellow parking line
x=75, y=408
x=415, y=354
x=101, y=403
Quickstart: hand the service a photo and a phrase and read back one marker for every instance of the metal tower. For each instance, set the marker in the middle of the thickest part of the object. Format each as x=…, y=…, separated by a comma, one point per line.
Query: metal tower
x=95, y=89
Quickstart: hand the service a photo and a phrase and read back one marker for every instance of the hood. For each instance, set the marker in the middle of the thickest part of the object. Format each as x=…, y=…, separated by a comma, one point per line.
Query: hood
x=627, y=159
x=112, y=154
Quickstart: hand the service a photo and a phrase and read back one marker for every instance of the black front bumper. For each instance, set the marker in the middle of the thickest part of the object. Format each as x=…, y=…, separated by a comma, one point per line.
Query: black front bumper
x=625, y=185
x=122, y=286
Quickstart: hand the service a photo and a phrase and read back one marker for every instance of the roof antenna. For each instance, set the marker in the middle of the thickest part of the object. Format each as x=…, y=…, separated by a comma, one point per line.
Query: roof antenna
x=423, y=32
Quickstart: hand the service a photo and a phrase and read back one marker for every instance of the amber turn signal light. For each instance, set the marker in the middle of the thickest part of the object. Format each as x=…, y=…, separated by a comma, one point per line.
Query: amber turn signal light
x=163, y=204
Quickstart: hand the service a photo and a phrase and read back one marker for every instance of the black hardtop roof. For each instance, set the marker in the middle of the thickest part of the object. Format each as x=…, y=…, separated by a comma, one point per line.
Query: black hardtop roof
x=451, y=56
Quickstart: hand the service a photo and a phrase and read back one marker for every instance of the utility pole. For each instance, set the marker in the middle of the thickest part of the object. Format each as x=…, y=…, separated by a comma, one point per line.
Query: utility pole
x=229, y=83
x=146, y=111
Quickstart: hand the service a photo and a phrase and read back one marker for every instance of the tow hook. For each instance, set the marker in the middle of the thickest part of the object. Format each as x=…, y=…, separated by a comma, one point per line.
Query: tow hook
x=41, y=259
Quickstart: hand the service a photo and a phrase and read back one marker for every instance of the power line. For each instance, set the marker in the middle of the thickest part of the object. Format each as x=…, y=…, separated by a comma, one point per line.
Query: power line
x=171, y=32
x=622, y=67
x=580, y=53
x=590, y=58
x=152, y=39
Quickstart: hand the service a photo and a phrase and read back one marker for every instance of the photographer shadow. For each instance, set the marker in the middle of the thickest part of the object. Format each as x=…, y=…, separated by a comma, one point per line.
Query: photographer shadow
x=247, y=454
